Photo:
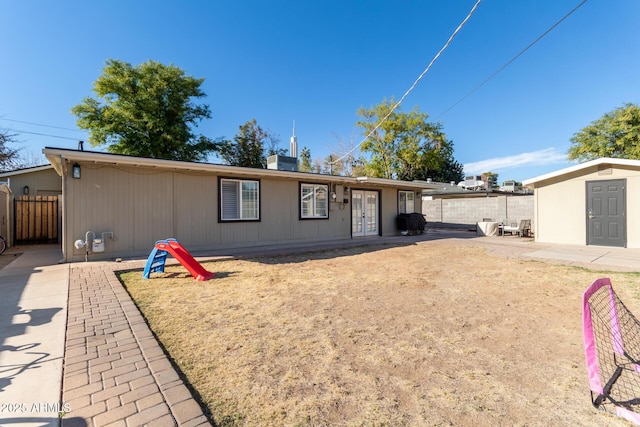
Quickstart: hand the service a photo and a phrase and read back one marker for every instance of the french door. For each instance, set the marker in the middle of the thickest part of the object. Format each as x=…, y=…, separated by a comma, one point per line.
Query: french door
x=364, y=213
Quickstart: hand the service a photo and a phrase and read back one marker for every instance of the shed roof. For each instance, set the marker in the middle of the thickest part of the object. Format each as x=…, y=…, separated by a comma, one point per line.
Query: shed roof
x=57, y=156
x=602, y=161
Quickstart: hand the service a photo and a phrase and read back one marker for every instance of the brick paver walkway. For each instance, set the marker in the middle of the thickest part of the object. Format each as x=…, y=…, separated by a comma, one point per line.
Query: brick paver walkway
x=115, y=373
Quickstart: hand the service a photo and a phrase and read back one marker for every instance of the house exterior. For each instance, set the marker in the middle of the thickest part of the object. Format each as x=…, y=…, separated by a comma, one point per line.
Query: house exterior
x=593, y=203
x=34, y=183
x=132, y=202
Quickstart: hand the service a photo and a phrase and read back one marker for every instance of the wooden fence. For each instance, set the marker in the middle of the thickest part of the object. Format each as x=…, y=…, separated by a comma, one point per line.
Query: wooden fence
x=36, y=219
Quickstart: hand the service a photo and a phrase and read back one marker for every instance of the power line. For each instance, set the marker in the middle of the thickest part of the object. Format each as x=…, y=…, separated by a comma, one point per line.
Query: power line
x=41, y=134
x=40, y=124
x=415, y=83
x=511, y=60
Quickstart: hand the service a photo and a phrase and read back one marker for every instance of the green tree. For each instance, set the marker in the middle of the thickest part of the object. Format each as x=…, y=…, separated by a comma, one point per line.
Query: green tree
x=147, y=110
x=405, y=145
x=615, y=134
x=250, y=147
x=8, y=156
x=305, y=160
x=450, y=170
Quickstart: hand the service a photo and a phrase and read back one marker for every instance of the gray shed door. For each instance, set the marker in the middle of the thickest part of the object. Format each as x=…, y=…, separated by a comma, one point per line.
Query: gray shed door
x=606, y=222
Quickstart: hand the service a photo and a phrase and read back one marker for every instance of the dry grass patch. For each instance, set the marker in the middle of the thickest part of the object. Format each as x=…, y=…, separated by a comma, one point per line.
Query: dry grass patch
x=428, y=334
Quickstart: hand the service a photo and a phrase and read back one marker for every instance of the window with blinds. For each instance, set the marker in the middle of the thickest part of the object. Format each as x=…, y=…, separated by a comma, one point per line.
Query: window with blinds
x=314, y=201
x=239, y=200
x=406, y=202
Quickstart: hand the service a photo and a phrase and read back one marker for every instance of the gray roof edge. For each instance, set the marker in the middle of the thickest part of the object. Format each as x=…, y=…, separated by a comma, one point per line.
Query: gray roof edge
x=580, y=166
x=25, y=170
x=94, y=156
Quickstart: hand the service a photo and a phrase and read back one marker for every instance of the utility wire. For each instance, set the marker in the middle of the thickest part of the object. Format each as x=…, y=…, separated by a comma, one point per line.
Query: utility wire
x=40, y=124
x=511, y=60
x=41, y=134
x=415, y=83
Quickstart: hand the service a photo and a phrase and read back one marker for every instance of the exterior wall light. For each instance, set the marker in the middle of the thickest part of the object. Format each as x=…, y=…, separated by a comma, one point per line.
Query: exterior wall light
x=76, y=171
x=25, y=190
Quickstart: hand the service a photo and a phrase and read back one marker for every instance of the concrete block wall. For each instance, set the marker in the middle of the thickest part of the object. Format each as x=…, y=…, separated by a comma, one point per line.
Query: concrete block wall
x=463, y=213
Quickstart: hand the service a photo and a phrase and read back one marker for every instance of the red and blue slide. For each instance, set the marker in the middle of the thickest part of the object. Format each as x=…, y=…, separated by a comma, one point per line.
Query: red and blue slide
x=158, y=256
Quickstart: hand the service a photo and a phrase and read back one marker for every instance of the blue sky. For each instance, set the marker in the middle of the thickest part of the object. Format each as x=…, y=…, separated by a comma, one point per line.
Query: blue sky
x=318, y=62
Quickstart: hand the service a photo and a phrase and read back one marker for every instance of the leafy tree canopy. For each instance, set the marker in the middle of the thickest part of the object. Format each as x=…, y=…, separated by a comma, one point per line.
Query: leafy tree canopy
x=615, y=134
x=406, y=146
x=250, y=147
x=146, y=110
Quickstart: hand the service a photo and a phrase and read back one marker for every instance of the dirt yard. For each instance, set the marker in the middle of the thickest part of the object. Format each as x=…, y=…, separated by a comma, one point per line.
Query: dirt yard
x=428, y=334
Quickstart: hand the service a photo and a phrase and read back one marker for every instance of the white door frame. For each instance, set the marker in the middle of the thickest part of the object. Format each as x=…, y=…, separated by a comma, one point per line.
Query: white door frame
x=365, y=213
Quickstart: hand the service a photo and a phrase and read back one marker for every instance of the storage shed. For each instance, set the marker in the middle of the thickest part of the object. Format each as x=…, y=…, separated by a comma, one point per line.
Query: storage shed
x=593, y=203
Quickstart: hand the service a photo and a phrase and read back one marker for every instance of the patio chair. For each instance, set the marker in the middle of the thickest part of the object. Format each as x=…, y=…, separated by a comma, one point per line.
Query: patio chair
x=509, y=227
x=522, y=230
x=612, y=350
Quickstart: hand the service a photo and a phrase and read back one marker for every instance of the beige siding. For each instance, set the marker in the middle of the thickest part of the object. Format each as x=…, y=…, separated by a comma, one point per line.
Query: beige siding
x=561, y=206
x=389, y=209
x=560, y=213
x=153, y=209
x=100, y=201
x=196, y=211
x=41, y=183
x=633, y=211
x=279, y=209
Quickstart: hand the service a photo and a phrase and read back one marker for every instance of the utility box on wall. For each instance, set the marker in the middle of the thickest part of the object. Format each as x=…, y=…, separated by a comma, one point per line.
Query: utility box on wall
x=339, y=193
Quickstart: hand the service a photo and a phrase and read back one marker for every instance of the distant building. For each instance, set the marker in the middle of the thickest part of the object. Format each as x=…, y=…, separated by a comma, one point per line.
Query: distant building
x=509, y=186
x=472, y=182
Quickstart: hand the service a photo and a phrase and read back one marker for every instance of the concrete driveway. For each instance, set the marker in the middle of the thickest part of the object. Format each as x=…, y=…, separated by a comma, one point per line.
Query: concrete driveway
x=33, y=316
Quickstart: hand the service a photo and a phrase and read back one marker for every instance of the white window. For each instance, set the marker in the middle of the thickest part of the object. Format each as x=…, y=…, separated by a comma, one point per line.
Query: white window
x=314, y=202
x=239, y=200
x=406, y=202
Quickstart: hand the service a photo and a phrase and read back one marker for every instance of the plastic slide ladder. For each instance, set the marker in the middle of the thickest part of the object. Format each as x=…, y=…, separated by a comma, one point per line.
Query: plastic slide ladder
x=158, y=257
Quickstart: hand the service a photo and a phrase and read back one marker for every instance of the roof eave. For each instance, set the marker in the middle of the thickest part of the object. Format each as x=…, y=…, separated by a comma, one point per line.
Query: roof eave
x=55, y=156
x=24, y=171
x=421, y=185
x=530, y=183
